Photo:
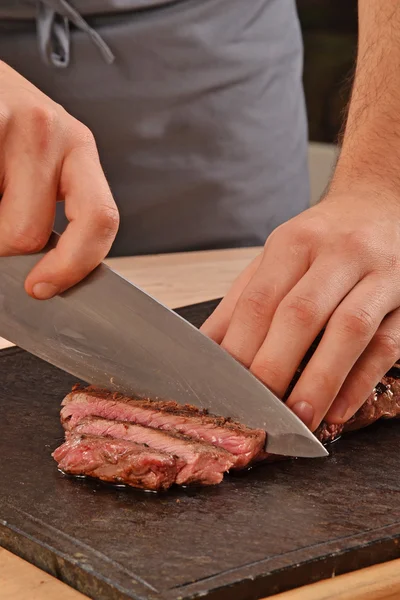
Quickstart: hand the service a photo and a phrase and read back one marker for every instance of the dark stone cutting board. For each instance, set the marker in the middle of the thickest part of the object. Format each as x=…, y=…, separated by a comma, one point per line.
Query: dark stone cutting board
x=274, y=528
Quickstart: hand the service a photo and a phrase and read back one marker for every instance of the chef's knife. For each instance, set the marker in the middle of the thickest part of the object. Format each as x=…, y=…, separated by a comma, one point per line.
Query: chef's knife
x=110, y=333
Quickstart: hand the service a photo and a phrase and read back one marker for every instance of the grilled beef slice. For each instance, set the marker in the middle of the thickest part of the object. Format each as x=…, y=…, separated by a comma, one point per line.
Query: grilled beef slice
x=117, y=461
x=196, y=462
x=240, y=441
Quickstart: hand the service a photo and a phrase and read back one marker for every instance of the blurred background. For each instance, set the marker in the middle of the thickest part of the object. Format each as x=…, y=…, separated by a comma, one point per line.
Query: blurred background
x=330, y=42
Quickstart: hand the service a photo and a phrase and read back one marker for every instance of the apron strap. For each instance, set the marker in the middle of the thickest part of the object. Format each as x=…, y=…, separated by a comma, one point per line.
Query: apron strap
x=53, y=32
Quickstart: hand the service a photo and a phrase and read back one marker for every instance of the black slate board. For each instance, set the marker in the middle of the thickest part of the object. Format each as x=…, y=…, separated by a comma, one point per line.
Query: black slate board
x=277, y=527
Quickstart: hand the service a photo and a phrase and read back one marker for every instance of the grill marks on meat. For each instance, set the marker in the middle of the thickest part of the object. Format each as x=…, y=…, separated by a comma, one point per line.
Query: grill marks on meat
x=242, y=442
x=196, y=462
x=116, y=461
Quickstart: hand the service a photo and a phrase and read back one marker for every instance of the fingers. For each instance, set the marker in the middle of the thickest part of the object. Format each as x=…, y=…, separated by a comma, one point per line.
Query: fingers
x=46, y=155
x=299, y=318
x=216, y=325
x=27, y=206
x=349, y=331
x=280, y=269
x=93, y=224
x=379, y=356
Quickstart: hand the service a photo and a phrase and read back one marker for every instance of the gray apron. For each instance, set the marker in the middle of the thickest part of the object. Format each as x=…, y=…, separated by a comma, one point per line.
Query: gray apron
x=196, y=105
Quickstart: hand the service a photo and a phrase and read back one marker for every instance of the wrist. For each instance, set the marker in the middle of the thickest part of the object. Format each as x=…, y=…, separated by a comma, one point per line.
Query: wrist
x=370, y=156
x=365, y=176
x=363, y=191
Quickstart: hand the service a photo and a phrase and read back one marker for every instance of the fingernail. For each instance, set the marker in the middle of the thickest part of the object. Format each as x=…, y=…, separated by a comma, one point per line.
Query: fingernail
x=44, y=291
x=339, y=409
x=305, y=412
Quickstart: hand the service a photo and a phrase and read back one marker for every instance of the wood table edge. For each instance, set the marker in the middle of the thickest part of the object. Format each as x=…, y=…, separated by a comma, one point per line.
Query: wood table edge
x=379, y=582
x=20, y=579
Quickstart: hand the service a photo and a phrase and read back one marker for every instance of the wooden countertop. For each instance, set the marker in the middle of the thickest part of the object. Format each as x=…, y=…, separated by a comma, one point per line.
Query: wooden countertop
x=177, y=280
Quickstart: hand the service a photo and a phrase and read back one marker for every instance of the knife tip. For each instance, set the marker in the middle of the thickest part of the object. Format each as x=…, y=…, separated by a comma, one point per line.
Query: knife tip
x=296, y=445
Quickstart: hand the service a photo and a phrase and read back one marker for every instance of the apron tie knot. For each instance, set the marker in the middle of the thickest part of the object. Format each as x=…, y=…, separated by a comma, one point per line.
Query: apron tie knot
x=54, y=38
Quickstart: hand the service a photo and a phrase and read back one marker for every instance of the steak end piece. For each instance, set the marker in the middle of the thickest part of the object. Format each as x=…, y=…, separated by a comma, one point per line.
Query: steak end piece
x=116, y=461
x=383, y=403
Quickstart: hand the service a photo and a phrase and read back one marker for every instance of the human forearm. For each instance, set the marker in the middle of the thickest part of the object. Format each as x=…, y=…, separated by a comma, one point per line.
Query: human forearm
x=371, y=144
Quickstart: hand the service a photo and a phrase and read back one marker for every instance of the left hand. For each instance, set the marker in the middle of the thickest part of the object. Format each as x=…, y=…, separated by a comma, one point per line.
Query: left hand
x=337, y=265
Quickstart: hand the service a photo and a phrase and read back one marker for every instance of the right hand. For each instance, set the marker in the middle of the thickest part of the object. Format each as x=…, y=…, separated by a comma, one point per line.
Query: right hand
x=47, y=155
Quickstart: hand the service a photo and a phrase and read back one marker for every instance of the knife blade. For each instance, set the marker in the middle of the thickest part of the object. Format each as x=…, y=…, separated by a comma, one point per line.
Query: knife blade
x=108, y=332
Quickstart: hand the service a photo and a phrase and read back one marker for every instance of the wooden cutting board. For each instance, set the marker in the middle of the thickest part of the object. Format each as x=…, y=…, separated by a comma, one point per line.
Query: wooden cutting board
x=269, y=530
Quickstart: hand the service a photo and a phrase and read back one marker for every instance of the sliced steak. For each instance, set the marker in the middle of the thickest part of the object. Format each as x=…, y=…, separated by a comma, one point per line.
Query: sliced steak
x=244, y=443
x=152, y=444
x=197, y=462
x=116, y=461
